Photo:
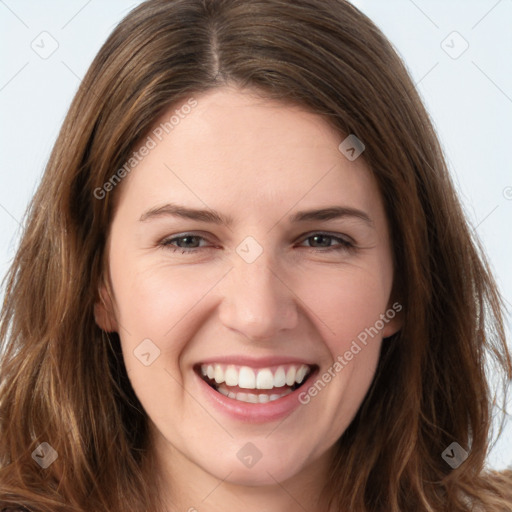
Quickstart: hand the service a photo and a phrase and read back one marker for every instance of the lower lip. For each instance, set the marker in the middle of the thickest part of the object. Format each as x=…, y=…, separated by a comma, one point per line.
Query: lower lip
x=255, y=413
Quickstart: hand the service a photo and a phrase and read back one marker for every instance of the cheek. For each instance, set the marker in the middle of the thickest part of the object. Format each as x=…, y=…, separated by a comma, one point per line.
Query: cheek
x=347, y=306
x=165, y=305
x=156, y=299
x=346, y=303
x=158, y=304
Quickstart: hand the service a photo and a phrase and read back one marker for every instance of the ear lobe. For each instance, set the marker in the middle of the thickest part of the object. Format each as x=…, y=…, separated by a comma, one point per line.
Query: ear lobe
x=104, y=311
x=395, y=319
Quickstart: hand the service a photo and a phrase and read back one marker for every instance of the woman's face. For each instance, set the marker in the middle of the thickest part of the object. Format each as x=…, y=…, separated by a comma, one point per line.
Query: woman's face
x=247, y=246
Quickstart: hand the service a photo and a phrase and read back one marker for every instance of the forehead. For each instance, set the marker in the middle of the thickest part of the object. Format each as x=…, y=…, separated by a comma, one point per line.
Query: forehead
x=236, y=148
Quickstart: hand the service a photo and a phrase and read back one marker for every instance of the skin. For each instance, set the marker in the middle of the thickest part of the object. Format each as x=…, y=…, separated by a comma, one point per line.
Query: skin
x=258, y=162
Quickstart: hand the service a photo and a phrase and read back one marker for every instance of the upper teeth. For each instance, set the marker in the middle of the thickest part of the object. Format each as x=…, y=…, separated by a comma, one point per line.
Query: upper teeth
x=250, y=378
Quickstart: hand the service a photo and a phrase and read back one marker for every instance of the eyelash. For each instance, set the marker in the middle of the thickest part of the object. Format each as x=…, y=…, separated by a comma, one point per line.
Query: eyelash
x=344, y=245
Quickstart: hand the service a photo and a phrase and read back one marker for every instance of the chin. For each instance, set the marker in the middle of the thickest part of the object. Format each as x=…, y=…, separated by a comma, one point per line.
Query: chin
x=259, y=475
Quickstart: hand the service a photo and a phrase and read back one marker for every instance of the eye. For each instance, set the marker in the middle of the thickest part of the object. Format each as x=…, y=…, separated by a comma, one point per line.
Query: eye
x=187, y=242
x=323, y=242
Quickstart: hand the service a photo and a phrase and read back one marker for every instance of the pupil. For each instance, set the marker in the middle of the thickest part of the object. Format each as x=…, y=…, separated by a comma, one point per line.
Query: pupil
x=316, y=238
x=188, y=240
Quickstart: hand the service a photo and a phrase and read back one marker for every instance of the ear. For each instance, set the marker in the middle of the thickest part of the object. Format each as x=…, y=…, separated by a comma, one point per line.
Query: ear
x=104, y=310
x=394, y=319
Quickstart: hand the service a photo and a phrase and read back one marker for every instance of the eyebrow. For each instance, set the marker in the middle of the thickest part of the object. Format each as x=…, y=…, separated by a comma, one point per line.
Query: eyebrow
x=175, y=210
x=332, y=212
x=213, y=217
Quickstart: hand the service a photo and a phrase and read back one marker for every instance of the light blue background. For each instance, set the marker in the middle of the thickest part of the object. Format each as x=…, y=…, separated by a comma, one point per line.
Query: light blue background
x=469, y=99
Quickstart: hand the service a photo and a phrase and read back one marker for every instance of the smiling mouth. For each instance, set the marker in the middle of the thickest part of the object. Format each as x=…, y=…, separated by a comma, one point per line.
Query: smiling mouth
x=255, y=385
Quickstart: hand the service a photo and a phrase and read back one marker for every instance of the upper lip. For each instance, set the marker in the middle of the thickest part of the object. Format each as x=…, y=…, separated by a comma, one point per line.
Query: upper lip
x=260, y=362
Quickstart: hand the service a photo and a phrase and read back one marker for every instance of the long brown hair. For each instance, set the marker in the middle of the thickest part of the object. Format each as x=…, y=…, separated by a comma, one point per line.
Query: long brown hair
x=63, y=380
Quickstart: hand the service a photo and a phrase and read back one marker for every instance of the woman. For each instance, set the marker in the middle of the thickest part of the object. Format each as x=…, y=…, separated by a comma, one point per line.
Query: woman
x=246, y=281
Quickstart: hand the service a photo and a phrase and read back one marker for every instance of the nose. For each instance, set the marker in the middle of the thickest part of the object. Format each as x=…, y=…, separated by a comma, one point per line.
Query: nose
x=257, y=302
